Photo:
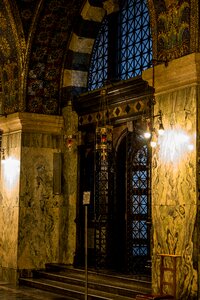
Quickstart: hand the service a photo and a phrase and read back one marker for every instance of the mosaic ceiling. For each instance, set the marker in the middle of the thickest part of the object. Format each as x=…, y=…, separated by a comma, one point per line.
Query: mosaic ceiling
x=34, y=39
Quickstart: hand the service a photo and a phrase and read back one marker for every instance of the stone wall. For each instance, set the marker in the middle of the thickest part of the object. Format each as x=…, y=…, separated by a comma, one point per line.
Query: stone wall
x=9, y=206
x=174, y=169
x=31, y=214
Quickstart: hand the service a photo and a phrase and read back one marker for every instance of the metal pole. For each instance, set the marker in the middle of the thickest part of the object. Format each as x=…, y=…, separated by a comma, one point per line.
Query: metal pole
x=86, y=256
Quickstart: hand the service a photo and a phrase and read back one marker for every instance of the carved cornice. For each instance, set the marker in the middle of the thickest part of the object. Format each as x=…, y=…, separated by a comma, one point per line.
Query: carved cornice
x=123, y=100
x=181, y=72
x=27, y=122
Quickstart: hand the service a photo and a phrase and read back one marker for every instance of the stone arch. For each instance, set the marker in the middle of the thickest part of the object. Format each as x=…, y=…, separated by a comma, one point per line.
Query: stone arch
x=82, y=41
x=49, y=39
x=80, y=48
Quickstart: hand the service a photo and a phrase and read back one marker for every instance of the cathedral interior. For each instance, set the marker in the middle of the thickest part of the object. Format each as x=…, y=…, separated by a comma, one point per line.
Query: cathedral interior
x=99, y=137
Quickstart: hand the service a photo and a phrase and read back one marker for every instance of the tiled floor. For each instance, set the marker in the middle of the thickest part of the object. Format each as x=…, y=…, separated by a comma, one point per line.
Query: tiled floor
x=11, y=292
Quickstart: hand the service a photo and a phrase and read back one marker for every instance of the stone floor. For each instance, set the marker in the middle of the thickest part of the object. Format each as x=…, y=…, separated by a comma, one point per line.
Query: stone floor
x=11, y=292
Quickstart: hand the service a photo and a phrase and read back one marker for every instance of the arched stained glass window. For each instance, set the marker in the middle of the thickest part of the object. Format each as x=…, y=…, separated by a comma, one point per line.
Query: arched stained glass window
x=123, y=48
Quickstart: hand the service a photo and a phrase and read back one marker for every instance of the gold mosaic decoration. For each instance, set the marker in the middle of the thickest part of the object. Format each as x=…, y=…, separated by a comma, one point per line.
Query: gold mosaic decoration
x=173, y=39
x=4, y=47
x=3, y=23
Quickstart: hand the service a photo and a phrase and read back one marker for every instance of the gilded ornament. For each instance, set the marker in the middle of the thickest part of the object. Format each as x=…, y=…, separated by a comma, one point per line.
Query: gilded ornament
x=4, y=46
x=173, y=37
x=3, y=22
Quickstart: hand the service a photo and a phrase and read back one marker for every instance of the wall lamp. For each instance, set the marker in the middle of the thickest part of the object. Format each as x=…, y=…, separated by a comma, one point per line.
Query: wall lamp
x=72, y=139
x=151, y=132
x=2, y=150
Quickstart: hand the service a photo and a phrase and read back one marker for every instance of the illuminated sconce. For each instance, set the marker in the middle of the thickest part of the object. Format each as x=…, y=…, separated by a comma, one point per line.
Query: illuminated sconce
x=151, y=129
x=3, y=154
x=70, y=140
x=153, y=141
x=161, y=129
x=147, y=133
x=151, y=132
x=11, y=170
x=2, y=150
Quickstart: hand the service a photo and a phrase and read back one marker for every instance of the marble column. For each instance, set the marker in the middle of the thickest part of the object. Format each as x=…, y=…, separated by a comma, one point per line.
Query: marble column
x=30, y=214
x=174, y=173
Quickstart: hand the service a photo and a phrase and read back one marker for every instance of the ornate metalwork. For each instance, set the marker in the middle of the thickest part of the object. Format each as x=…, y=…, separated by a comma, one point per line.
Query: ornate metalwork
x=103, y=202
x=131, y=48
x=135, y=44
x=138, y=204
x=99, y=62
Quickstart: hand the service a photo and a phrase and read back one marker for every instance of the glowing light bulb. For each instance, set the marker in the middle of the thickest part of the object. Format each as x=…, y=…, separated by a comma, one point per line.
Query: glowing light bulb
x=161, y=130
x=190, y=147
x=147, y=134
x=153, y=142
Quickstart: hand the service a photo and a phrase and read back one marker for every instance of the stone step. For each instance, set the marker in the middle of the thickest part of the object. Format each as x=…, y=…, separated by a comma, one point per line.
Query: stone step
x=103, y=276
x=71, y=282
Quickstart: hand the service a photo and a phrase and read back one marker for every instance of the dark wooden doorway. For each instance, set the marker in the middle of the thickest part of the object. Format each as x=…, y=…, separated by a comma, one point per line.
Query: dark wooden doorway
x=132, y=236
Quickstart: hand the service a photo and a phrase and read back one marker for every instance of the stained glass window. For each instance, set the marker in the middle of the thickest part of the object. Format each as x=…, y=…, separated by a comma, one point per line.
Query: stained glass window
x=123, y=44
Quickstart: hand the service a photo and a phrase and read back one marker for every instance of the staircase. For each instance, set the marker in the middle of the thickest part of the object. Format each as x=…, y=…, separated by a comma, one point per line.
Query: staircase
x=69, y=281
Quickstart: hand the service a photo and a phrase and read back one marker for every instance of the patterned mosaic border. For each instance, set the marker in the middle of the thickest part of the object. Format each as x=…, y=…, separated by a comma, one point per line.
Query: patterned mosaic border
x=125, y=110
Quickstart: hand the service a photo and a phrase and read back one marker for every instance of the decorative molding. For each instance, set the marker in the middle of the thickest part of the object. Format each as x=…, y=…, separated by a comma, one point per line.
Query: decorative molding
x=124, y=100
x=27, y=122
x=179, y=73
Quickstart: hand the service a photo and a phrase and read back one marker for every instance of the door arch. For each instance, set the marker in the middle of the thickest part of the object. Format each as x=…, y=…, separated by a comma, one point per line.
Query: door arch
x=132, y=234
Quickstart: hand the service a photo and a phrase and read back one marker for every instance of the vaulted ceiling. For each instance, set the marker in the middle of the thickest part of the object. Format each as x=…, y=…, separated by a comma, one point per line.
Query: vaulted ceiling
x=35, y=49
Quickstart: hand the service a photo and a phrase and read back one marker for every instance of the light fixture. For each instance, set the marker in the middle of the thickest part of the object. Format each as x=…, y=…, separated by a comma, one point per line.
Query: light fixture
x=69, y=140
x=3, y=154
x=153, y=141
x=104, y=131
x=161, y=129
x=147, y=133
x=72, y=139
x=2, y=150
x=151, y=131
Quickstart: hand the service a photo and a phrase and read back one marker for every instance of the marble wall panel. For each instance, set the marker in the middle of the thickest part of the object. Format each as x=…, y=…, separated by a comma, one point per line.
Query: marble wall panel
x=70, y=174
x=39, y=210
x=8, y=239
x=174, y=193
x=9, y=206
